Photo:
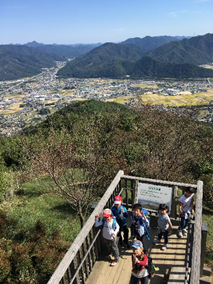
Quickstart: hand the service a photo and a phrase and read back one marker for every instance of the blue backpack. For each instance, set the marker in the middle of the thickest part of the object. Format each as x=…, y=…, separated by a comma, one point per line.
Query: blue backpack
x=146, y=233
x=146, y=212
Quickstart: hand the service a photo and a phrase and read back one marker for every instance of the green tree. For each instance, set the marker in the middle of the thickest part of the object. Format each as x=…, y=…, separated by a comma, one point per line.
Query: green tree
x=44, y=111
x=81, y=163
x=168, y=144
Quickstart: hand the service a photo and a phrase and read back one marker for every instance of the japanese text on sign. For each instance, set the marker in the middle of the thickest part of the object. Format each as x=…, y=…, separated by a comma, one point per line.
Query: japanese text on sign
x=150, y=196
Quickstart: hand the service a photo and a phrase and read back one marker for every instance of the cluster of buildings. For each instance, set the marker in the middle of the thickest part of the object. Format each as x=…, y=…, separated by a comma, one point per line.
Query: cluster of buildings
x=21, y=100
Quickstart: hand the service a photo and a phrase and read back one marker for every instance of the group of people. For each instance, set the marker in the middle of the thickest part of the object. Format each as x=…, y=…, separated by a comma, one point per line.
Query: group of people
x=114, y=222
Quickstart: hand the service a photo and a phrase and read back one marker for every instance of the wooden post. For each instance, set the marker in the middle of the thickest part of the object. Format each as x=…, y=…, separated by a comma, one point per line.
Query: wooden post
x=196, y=251
x=135, y=192
x=174, y=205
x=203, y=246
x=190, y=240
x=73, y=267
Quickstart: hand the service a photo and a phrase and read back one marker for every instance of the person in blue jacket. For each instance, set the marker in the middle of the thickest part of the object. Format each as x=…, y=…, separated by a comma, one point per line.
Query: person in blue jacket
x=120, y=213
x=139, y=224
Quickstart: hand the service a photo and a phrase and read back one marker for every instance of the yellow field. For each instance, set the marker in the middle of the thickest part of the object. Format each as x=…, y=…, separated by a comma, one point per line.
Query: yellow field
x=121, y=100
x=15, y=97
x=183, y=99
x=79, y=99
x=13, y=109
x=144, y=85
x=207, y=66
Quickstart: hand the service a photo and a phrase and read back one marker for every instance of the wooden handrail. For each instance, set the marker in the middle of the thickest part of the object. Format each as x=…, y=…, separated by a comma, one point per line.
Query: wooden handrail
x=156, y=181
x=196, y=249
x=71, y=253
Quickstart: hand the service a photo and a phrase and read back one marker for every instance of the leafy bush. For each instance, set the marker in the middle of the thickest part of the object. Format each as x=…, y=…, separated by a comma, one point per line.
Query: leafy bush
x=208, y=189
x=7, y=186
x=28, y=257
x=5, y=266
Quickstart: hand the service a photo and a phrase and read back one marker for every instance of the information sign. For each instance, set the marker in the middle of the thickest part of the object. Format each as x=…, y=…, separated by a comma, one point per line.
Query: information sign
x=150, y=195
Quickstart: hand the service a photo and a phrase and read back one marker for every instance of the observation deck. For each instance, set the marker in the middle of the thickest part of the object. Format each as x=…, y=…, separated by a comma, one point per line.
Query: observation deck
x=85, y=261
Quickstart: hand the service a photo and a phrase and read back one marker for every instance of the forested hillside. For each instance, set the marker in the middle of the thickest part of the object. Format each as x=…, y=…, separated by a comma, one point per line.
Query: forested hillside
x=176, y=59
x=196, y=50
x=99, y=61
x=145, y=68
x=75, y=154
x=22, y=61
x=149, y=43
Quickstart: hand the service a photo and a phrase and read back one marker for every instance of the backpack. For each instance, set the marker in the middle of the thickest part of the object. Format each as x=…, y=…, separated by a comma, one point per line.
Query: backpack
x=146, y=213
x=151, y=267
x=118, y=214
x=146, y=233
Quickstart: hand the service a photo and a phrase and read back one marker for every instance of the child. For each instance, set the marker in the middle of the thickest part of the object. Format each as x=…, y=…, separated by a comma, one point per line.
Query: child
x=120, y=213
x=164, y=225
x=139, y=263
x=186, y=208
x=139, y=223
x=109, y=233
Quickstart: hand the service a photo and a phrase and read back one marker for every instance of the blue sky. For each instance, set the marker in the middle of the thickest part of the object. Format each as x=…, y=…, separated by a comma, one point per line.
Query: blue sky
x=93, y=21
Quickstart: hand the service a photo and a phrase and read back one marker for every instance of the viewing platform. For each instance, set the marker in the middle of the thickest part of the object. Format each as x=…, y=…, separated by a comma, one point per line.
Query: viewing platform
x=85, y=262
x=174, y=256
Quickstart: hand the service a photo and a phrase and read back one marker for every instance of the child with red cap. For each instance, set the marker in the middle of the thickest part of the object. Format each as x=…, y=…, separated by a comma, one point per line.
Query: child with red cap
x=120, y=213
x=109, y=233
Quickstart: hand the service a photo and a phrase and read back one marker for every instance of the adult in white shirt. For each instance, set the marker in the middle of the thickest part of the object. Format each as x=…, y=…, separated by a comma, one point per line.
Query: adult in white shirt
x=186, y=208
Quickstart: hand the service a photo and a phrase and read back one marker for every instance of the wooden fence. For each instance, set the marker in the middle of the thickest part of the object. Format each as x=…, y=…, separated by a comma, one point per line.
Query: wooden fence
x=79, y=260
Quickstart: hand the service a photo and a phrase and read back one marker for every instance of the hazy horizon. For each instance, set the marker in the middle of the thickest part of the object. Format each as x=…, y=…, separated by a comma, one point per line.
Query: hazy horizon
x=79, y=43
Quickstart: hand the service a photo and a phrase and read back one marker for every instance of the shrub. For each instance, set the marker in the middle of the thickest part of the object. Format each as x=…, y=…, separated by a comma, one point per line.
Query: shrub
x=5, y=267
x=7, y=186
x=208, y=189
x=22, y=268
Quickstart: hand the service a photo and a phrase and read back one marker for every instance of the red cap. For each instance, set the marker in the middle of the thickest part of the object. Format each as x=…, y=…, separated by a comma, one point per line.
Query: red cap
x=107, y=212
x=117, y=199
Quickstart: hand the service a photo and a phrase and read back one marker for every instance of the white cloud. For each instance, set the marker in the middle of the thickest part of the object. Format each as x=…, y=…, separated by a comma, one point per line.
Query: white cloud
x=173, y=15
x=203, y=0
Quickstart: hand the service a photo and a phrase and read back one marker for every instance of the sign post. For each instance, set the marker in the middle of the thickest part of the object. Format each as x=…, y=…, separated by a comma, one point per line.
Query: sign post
x=150, y=196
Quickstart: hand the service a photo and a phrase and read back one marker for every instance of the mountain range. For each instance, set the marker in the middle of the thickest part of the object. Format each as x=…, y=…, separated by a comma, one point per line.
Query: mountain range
x=149, y=43
x=154, y=57
x=176, y=59
x=68, y=51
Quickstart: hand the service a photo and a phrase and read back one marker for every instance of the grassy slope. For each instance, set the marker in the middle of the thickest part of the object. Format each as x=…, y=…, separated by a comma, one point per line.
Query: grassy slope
x=208, y=217
x=35, y=203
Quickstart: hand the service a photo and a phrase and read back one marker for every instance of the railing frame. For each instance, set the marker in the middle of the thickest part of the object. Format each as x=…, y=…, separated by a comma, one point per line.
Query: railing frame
x=196, y=245
x=64, y=266
x=81, y=256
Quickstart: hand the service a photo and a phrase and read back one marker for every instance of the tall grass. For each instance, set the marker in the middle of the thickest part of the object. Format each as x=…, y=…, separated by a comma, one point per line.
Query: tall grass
x=34, y=202
x=208, y=218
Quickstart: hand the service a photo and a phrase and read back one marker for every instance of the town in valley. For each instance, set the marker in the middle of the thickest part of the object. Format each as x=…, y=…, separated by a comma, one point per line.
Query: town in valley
x=27, y=101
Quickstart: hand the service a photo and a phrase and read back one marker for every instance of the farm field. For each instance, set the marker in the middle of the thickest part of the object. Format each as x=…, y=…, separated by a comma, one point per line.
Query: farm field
x=184, y=99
